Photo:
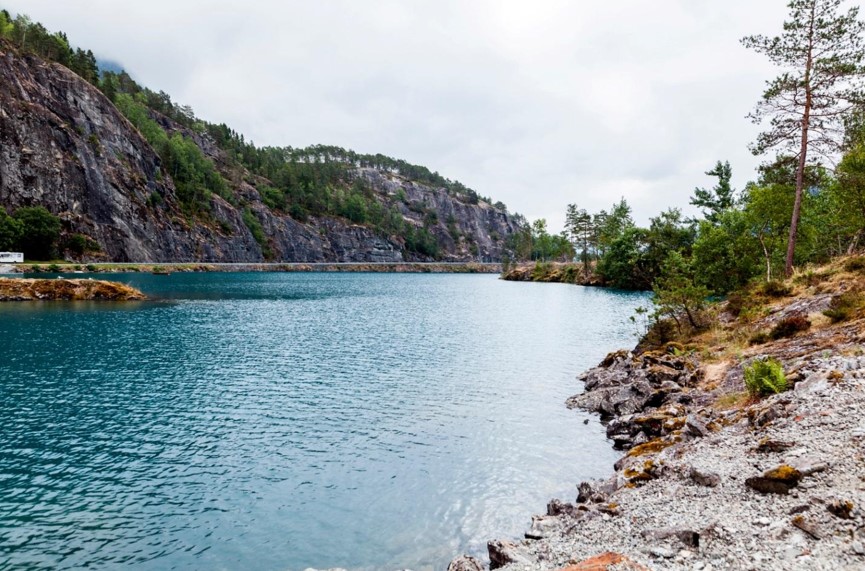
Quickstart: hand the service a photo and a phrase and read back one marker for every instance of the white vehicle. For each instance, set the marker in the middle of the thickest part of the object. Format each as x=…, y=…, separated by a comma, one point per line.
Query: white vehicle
x=11, y=257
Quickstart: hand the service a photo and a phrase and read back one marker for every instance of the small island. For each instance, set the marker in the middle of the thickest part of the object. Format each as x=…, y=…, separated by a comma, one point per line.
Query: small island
x=17, y=289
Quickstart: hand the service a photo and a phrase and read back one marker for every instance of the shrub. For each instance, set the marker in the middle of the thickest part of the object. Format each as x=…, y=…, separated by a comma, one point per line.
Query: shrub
x=54, y=269
x=40, y=231
x=856, y=264
x=765, y=377
x=91, y=268
x=735, y=303
x=79, y=244
x=541, y=271
x=844, y=307
x=790, y=326
x=154, y=199
x=661, y=332
x=10, y=230
x=759, y=338
x=252, y=223
x=776, y=288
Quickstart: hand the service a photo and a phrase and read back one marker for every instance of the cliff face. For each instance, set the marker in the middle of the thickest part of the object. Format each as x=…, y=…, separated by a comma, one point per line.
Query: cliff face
x=64, y=146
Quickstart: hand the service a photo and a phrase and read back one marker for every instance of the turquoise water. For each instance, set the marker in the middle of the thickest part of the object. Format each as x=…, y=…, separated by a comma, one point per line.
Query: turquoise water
x=279, y=421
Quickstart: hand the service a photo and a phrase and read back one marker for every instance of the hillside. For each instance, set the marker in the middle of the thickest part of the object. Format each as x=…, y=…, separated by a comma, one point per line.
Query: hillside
x=138, y=178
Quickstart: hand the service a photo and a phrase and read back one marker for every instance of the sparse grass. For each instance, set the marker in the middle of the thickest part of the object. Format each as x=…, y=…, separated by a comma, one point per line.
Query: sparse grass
x=732, y=400
x=856, y=264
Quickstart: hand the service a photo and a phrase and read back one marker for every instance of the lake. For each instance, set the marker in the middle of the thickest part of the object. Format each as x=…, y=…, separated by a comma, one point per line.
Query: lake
x=281, y=421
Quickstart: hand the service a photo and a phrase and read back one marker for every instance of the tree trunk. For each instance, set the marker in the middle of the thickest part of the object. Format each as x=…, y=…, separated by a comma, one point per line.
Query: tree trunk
x=767, y=257
x=803, y=154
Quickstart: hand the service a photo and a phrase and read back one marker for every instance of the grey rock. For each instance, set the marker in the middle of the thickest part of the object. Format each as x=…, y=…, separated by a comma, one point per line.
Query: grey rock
x=543, y=526
x=503, y=552
x=708, y=479
x=809, y=468
x=587, y=493
x=465, y=563
x=814, y=384
x=695, y=428
x=688, y=537
x=558, y=507
x=662, y=552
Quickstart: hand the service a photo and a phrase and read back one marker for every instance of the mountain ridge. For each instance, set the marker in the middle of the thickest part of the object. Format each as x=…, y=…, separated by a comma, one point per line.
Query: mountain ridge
x=114, y=170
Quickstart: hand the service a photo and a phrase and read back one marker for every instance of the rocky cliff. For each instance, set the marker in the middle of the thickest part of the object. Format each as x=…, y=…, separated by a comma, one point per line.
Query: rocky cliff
x=64, y=146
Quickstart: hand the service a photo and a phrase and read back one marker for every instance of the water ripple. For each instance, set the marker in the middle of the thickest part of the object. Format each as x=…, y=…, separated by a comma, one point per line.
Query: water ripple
x=276, y=421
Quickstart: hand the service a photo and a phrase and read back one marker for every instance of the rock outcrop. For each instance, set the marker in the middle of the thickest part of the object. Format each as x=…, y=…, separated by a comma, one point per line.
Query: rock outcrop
x=16, y=289
x=64, y=146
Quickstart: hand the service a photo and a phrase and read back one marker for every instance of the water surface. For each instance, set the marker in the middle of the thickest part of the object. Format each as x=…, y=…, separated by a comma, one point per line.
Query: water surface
x=279, y=421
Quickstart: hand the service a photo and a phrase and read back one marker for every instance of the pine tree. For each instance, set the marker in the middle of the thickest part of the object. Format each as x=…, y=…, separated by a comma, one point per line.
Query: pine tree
x=720, y=198
x=821, y=55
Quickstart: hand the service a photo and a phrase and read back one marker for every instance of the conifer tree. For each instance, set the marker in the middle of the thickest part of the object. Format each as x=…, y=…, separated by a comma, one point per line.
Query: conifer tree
x=821, y=55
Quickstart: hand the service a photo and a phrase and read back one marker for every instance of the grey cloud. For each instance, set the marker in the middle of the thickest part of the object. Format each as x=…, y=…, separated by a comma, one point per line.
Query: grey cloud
x=537, y=104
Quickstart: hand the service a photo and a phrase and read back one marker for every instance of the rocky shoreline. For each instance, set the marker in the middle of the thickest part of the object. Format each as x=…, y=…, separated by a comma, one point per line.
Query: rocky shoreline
x=19, y=289
x=711, y=478
x=167, y=268
x=552, y=272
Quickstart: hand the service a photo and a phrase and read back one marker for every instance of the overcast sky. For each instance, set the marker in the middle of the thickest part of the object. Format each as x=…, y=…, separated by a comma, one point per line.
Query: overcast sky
x=535, y=103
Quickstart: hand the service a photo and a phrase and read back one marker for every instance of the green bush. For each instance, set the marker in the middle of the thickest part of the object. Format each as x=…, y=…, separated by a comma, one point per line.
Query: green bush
x=844, y=307
x=40, y=231
x=79, y=244
x=10, y=231
x=790, y=326
x=252, y=223
x=759, y=338
x=765, y=377
x=776, y=288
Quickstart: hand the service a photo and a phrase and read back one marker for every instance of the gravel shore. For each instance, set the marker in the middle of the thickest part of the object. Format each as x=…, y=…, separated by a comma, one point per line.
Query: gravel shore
x=711, y=479
x=676, y=521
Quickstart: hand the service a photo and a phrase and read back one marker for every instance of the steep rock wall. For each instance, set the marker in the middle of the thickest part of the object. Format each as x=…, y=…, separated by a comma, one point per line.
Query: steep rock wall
x=64, y=146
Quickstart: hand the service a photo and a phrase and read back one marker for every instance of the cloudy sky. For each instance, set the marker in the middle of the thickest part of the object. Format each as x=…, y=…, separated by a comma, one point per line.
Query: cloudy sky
x=537, y=104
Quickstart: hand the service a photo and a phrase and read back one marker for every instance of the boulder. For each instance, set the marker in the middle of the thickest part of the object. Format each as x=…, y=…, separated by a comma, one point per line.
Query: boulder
x=503, y=552
x=465, y=563
x=587, y=493
x=544, y=526
x=767, y=445
x=778, y=480
x=701, y=478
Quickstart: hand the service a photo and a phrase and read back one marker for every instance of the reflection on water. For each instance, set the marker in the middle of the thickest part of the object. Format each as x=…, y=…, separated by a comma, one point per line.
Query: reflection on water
x=279, y=421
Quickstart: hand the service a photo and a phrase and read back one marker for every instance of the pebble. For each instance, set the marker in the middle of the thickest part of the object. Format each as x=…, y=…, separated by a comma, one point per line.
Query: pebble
x=662, y=552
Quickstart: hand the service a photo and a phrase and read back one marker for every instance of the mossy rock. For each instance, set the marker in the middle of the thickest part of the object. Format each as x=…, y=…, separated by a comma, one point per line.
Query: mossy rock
x=650, y=447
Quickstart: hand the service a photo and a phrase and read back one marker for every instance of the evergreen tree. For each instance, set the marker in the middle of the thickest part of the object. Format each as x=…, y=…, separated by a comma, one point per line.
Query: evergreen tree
x=821, y=53
x=721, y=197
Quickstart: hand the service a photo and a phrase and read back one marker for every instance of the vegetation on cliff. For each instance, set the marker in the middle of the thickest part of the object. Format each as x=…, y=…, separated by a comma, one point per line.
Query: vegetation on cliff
x=207, y=160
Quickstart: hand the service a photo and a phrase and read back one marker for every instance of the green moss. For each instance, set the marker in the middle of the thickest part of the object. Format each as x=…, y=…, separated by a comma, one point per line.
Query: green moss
x=650, y=447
